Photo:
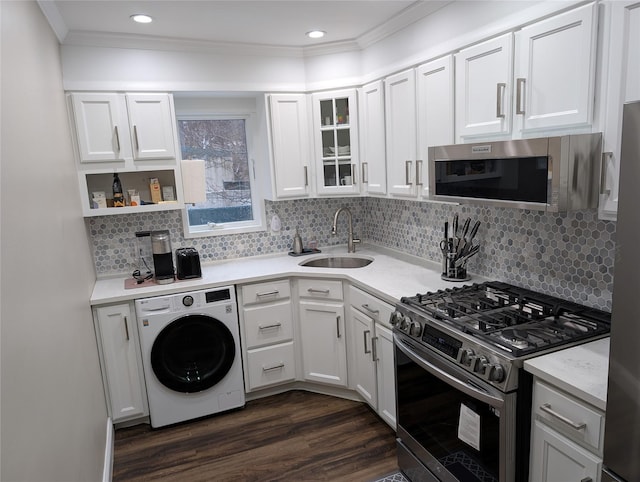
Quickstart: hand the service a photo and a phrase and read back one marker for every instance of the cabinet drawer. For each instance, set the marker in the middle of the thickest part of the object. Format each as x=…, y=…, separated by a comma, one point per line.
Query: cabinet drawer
x=569, y=416
x=268, y=324
x=270, y=365
x=265, y=292
x=320, y=289
x=371, y=306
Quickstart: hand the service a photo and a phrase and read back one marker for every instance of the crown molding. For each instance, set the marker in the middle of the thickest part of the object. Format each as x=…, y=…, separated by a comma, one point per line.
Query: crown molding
x=57, y=23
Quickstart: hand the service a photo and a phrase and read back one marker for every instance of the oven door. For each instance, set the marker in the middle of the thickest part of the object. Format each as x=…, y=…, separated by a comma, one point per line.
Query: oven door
x=451, y=426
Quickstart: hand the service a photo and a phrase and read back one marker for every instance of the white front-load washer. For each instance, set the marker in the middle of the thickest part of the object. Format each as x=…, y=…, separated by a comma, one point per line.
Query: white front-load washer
x=191, y=354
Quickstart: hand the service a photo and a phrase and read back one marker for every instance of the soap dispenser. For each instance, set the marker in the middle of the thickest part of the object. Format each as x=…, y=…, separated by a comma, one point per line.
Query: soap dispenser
x=297, y=243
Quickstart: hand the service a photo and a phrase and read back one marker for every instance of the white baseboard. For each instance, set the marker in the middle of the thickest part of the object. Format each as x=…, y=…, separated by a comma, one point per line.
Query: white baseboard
x=107, y=470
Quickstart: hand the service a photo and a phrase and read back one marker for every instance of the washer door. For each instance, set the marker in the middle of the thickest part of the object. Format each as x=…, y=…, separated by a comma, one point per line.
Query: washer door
x=193, y=353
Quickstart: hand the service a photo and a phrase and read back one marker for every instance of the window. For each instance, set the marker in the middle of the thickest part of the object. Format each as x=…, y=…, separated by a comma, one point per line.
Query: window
x=232, y=204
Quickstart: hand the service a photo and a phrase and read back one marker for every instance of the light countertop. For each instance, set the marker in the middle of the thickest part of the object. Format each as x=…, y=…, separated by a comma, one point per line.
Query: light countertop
x=582, y=371
x=390, y=276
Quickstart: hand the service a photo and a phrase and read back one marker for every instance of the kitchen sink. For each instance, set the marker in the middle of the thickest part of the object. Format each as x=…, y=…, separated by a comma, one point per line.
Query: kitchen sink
x=338, y=262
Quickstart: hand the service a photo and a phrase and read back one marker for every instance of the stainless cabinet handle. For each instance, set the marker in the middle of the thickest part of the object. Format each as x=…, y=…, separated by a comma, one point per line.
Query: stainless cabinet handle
x=126, y=327
x=501, y=87
x=268, y=293
x=546, y=407
x=366, y=350
x=606, y=156
x=117, y=138
x=370, y=310
x=520, y=95
x=586, y=479
x=318, y=290
x=407, y=172
x=418, y=173
x=365, y=173
x=274, y=367
x=135, y=136
x=374, y=348
x=354, y=173
x=338, y=326
x=267, y=327
x=306, y=176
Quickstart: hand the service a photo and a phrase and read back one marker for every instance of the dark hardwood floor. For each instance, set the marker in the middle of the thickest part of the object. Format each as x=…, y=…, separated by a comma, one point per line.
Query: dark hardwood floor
x=294, y=436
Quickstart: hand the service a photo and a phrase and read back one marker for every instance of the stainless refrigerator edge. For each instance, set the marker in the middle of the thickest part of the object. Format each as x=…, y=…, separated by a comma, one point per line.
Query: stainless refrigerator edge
x=622, y=422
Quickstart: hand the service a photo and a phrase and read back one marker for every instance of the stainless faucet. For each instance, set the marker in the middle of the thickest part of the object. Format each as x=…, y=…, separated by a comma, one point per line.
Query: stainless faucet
x=351, y=248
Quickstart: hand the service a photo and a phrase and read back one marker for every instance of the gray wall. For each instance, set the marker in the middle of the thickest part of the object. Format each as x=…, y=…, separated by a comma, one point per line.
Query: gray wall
x=53, y=410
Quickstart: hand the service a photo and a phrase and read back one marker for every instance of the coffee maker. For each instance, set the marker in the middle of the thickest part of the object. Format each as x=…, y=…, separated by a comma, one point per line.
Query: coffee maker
x=162, y=257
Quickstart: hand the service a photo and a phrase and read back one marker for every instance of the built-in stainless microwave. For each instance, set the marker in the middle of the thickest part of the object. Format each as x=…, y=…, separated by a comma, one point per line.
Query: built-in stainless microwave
x=546, y=174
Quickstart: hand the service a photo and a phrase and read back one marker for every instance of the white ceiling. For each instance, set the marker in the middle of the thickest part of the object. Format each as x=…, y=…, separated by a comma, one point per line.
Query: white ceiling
x=281, y=23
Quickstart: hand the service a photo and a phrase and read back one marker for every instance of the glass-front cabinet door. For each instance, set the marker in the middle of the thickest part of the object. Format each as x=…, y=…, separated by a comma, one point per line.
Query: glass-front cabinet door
x=335, y=138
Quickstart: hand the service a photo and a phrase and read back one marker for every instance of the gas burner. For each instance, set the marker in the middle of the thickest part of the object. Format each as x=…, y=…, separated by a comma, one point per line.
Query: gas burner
x=514, y=338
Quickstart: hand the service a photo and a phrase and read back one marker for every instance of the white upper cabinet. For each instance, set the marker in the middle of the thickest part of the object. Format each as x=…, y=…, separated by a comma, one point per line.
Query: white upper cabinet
x=151, y=125
x=290, y=144
x=483, y=88
x=435, y=105
x=555, y=63
x=117, y=127
x=335, y=133
x=102, y=126
x=400, y=122
x=372, y=139
x=623, y=85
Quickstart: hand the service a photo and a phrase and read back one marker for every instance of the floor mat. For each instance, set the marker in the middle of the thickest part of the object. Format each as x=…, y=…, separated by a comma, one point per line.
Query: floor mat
x=395, y=477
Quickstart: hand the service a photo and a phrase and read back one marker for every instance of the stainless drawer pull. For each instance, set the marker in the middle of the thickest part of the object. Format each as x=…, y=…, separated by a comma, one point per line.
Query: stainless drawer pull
x=520, y=95
x=318, y=290
x=501, y=87
x=366, y=350
x=418, y=172
x=407, y=172
x=267, y=327
x=586, y=479
x=268, y=293
x=374, y=343
x=546, y=407
x=274, y=367
x=117, y=138
x=338, y=326
x=306, y=176
x=135, y=136
x=370, y=310
x=126, y=327
x=365, y=173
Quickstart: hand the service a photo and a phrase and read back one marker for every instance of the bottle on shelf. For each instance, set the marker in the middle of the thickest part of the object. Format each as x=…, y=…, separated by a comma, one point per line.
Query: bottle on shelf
x=118, y=196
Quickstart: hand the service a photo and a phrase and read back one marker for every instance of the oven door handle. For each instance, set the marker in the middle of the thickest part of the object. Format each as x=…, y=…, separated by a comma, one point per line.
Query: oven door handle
x=465, y=387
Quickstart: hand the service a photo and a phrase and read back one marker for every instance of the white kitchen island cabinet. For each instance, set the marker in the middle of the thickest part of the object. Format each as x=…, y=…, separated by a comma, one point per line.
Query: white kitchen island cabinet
x=121, y=361
x=555, y=62
x=323, y=335
x=290, y=145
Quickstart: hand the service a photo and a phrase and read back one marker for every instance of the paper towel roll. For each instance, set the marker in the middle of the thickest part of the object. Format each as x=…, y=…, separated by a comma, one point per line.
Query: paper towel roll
x=193, y=181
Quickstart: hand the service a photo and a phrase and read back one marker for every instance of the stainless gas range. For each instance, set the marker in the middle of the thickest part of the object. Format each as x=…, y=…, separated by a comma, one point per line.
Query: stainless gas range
x=464, y=403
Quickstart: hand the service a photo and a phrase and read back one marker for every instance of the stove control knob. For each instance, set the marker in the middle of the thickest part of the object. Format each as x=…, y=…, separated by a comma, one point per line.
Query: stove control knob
x=481, y=365
x=396, y=316
x=405, y=322
x=466, y=356
x=496, y=373
x=415, y=329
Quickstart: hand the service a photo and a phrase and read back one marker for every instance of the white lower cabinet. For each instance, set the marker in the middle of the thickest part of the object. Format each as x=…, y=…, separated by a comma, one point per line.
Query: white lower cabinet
x=266, y=321
x=372, y=372
x=566, y=437
x=121, y=361
x=322, y=332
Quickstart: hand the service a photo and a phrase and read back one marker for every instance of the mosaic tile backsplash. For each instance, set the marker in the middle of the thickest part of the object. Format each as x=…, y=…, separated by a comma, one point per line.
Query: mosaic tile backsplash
x=569, y=255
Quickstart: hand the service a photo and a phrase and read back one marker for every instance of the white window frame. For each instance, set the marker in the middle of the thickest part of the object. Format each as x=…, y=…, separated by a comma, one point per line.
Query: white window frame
x=257, y=205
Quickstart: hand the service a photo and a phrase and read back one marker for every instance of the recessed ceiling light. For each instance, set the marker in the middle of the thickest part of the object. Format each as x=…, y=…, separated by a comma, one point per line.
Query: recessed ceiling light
x=141, y=18
x=316, y=34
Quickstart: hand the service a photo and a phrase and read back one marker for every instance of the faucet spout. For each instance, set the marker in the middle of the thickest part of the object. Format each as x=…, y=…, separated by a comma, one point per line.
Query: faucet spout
x=351, y=241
